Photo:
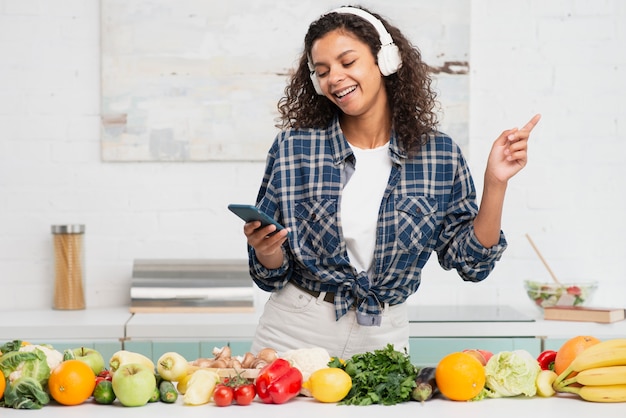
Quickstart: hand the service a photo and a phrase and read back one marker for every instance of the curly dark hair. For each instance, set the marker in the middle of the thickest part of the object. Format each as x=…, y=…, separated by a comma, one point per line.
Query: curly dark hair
x=411, y=98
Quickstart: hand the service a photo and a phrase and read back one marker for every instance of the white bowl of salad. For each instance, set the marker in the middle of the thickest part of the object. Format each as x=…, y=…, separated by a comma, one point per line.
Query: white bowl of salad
x=546, y=294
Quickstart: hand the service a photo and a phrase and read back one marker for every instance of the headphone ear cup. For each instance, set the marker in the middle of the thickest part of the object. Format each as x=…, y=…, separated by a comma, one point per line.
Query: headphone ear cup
x=389, y=59
x=316, y=83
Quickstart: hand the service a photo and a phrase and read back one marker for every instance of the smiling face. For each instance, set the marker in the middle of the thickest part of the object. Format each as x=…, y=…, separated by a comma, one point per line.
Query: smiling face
x=348, y=74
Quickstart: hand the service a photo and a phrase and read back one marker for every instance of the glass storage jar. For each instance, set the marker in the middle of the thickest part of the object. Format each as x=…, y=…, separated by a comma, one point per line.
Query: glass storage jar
x=69, y=258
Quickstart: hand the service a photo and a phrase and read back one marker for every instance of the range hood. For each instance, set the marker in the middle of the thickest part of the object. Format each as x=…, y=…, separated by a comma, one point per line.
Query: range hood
x=175, y=285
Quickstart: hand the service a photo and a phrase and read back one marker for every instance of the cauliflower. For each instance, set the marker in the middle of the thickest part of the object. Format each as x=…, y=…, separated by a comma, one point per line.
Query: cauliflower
x=307, y=360
x=53, y=357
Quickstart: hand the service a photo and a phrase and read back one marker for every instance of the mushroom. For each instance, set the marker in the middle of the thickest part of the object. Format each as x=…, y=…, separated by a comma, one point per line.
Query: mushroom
x=267, y=354
x=219, y=364
x=202, y=362
x=247, y=360
x=258, y=363
x=222, y=353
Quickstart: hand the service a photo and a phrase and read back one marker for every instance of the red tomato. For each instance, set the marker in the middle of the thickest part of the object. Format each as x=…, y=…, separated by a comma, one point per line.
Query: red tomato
x=223, y=395
x=244, y=394
x=105, y=374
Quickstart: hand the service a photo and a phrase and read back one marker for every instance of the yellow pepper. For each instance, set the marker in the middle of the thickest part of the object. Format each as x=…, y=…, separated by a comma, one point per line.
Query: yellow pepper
x=200, y=387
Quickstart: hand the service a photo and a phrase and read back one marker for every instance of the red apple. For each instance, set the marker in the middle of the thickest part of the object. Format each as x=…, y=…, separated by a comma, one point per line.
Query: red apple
x=481, y=355
x=486, y=354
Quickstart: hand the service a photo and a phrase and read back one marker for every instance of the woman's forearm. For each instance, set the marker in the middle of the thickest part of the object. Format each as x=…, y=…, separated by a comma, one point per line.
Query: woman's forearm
x=488, y=221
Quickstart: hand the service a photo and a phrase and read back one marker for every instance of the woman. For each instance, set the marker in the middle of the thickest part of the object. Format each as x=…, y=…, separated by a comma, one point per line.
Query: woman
x=368, y=189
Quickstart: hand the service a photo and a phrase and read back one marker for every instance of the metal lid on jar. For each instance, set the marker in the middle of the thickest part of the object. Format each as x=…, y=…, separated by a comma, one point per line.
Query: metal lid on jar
x=68, y=229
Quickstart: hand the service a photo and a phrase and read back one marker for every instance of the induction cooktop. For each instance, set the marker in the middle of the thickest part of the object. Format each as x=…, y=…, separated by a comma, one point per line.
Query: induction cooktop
x=466, y=313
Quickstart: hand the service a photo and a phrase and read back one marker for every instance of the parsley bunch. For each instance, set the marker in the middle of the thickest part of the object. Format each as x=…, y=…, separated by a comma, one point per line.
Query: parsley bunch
x=384, y=377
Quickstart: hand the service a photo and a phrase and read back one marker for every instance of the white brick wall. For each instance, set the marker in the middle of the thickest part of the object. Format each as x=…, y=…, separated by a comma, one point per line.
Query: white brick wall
x=564, y=59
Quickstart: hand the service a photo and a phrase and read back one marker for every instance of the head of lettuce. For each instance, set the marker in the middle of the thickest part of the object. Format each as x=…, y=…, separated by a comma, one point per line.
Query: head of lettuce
x=511, y=373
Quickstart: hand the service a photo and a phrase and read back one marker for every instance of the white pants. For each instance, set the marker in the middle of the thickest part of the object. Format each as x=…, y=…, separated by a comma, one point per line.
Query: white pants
x=293, y=319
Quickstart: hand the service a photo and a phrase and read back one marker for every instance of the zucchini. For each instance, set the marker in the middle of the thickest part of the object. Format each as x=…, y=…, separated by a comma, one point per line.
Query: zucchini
x=426, y=385
x=168, y=391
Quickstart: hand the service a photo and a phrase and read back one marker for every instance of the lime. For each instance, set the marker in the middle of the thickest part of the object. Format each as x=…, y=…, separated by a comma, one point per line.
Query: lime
x=103, y=393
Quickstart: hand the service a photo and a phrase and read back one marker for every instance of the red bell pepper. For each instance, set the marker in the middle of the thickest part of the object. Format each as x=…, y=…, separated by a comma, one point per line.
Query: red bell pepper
x=278, y=382
x=546, y=360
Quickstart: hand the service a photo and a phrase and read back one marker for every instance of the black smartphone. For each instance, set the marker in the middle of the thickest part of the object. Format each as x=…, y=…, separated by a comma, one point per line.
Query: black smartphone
x=251, y=213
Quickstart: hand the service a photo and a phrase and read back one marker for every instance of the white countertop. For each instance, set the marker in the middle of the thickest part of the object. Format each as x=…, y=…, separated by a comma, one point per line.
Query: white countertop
x=191, y=325
x=118, y=323
x=50, y=324
x=560, y=406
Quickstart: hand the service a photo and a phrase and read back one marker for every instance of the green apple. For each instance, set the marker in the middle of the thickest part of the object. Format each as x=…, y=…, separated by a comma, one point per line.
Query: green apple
x=133, y=384
x=91, y=357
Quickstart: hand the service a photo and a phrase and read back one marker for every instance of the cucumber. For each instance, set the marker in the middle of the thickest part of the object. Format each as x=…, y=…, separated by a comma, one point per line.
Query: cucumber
x=156, y=395
x=168, y=391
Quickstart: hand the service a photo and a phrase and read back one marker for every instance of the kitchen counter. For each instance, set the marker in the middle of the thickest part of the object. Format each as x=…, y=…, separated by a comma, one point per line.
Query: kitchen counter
x=50, y=324
x=526, y=323
x=308, y=408
x=119, y=324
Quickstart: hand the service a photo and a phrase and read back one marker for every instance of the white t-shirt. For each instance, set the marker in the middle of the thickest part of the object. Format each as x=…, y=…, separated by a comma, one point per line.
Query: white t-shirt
x=360, y=203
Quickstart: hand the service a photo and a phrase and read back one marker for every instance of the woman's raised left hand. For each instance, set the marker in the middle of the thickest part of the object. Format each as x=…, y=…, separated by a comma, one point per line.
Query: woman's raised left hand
x=509, y=153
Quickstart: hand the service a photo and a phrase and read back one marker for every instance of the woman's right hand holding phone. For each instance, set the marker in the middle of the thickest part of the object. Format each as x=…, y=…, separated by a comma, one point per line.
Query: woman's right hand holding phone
x=267, y=243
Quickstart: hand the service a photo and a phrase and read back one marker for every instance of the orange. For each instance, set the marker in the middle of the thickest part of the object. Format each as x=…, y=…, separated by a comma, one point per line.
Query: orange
x=570, y=349
x=3, y=384
x=460, y=376
x=72, y=382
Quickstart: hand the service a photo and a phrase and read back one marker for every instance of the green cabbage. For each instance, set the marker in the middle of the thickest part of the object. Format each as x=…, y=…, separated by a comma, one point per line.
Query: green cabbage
x=27, y=374
x=25, y=393
x=16, y=364
x=511, y=373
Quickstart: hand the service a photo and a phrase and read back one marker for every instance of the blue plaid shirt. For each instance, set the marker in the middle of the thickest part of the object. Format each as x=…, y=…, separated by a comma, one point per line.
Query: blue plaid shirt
x=429, y=204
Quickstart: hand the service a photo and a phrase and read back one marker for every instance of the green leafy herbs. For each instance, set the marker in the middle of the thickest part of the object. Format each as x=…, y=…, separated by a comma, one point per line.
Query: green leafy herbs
x=383, y=376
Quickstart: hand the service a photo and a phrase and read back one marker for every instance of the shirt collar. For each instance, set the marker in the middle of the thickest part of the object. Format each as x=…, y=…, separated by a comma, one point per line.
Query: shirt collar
x=343, y=152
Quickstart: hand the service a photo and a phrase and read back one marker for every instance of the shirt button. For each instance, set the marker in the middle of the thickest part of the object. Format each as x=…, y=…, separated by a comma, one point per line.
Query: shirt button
x=313, y=216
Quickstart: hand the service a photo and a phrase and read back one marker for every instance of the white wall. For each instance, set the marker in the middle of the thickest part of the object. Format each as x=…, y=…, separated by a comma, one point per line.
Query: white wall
x=564, y=59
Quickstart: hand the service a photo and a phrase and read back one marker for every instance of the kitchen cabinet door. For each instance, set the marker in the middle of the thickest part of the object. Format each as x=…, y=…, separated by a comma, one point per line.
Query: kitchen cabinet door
x=428, y=351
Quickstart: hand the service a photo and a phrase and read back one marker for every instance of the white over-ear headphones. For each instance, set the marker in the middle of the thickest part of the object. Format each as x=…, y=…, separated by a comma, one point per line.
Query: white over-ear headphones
x=389, y=59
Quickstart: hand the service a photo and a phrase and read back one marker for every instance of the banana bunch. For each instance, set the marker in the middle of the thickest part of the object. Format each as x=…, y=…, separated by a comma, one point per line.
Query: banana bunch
x=599, y=373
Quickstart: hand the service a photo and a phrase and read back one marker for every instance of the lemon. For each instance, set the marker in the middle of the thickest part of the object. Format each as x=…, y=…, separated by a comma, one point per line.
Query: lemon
x=328, y=384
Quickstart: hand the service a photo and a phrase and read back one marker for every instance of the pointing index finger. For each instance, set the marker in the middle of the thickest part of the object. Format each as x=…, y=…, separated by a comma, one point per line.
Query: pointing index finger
x=532, y=123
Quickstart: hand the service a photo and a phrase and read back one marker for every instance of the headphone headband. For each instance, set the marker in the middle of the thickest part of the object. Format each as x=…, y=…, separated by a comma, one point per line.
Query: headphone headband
x=385, y=37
